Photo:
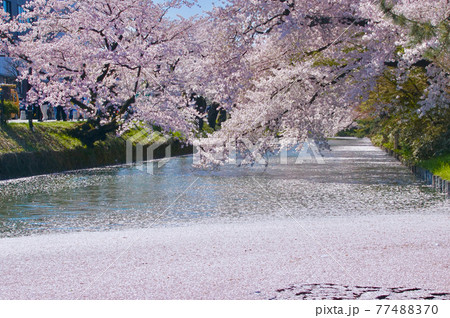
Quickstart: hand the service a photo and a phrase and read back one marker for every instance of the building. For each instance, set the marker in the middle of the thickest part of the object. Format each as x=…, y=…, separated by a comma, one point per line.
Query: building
x=13, y=7
x=8, y=72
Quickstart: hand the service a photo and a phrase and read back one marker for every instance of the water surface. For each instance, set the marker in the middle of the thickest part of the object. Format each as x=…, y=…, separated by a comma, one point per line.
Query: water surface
x=356, y=179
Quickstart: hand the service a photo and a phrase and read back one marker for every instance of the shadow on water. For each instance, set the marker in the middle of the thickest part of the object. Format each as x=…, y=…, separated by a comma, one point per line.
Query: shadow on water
x=355, y=179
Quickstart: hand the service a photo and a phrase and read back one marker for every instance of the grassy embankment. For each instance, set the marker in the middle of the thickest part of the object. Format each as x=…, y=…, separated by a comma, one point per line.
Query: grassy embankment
x=51, y=136
x=53, y=148
x=439, y=166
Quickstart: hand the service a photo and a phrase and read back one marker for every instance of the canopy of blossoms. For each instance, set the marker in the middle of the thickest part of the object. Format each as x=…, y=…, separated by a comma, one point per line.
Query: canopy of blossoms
x=285, y=70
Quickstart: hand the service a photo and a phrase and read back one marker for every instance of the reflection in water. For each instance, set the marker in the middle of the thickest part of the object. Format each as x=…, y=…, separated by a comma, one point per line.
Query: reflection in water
x=356, y=179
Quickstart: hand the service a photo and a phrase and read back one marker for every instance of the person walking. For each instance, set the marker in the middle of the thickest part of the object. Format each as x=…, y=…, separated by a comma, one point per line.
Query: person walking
x=44, y=111
x=60, y=113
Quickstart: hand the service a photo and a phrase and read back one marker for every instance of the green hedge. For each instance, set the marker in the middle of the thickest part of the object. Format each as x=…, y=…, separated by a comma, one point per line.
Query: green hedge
x=392, y=118
x=9, y=108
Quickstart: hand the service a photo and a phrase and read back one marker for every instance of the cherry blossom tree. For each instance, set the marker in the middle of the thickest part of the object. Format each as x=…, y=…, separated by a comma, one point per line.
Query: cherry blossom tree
x=296, y=68
x=4, y=31
x=285, y=70
x=109, y=58
x=7, y=38
x=292, y=70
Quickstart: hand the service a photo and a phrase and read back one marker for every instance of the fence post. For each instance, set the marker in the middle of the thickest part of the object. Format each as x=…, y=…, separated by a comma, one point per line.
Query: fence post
x=448, y=189
x=445, y=187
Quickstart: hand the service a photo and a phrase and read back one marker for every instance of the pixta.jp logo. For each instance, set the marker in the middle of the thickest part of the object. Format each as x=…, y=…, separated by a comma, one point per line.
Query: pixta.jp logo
x=149, y=141
x=211, y=149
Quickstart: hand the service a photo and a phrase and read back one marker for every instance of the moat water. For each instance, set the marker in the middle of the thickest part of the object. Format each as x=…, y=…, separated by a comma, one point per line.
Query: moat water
x=355, y=178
